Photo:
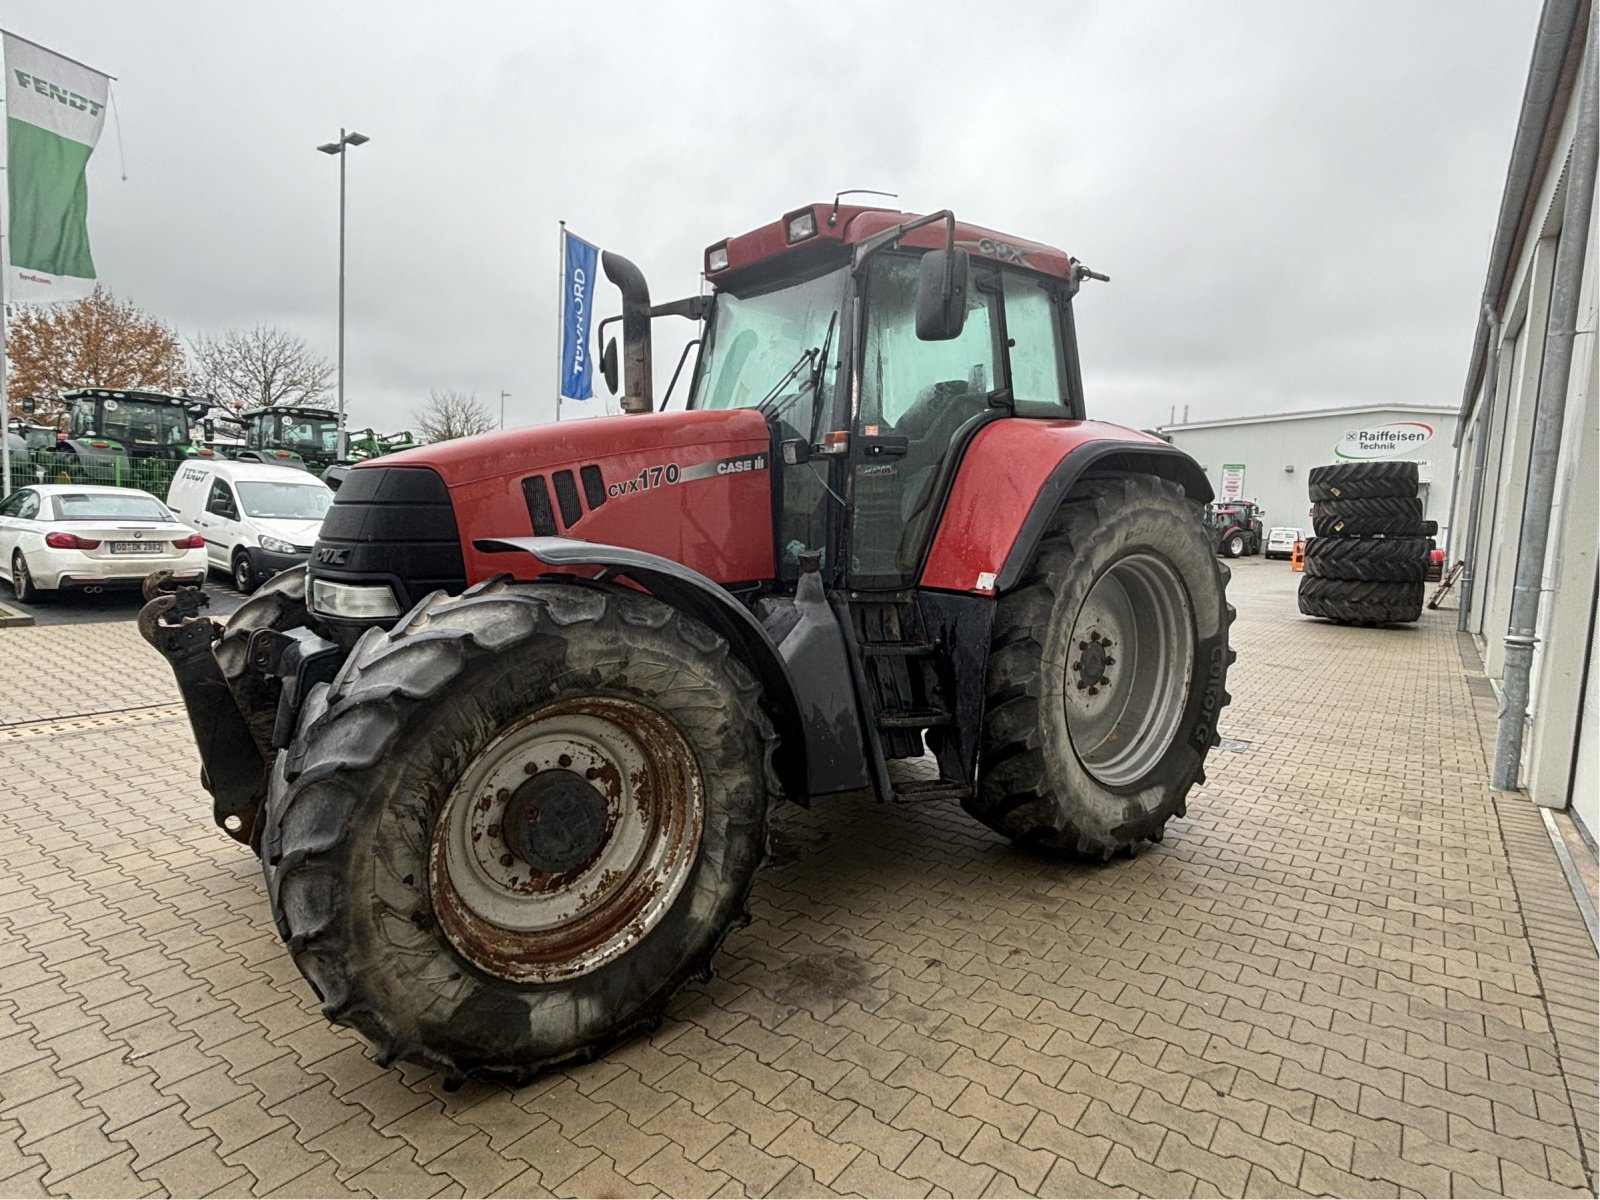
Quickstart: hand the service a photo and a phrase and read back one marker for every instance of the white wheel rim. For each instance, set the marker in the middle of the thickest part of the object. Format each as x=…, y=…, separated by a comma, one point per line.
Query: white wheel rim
x=1129, y=663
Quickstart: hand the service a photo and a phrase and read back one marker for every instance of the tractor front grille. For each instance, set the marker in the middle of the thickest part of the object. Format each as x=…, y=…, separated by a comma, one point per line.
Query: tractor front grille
x=393, y=525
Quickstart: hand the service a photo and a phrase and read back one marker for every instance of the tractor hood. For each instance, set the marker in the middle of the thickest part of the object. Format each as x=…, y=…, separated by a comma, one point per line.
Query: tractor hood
x=550, y=447
x=695, y=487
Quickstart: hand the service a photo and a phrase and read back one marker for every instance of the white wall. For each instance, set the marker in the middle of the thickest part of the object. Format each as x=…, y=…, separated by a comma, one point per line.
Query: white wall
x=1561, y=759
x=1266, y=448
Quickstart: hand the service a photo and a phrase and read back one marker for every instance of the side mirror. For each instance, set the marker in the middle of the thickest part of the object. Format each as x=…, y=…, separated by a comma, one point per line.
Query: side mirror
x=608, y=365
x=209, y=428
x=28, y=404
x=941, y=295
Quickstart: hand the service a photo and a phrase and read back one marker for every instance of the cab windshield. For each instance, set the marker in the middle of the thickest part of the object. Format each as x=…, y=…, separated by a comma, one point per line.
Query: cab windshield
x=316, y=435
x=132, y=422
x=763, y=350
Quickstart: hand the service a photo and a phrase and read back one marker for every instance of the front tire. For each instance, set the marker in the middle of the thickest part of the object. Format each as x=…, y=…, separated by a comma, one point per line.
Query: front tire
x=1107, y=672
x=244, y=575
x=515, y=825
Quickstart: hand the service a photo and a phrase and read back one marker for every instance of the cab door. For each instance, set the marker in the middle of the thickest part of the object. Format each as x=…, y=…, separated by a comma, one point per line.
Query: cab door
x=918, y=400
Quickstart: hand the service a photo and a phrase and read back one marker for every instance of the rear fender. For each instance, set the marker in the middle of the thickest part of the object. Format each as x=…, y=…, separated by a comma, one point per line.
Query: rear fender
x=709, y=603
x=1013, y=478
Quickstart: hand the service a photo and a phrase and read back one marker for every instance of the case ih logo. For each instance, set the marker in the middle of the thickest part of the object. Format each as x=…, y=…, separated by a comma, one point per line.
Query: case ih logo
x=1384, y=441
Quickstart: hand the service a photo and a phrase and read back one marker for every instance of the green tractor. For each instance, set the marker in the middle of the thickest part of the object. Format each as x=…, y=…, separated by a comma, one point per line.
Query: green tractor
x=294, y=436
x=290, y=436
x=369, y=443
x=119, y=436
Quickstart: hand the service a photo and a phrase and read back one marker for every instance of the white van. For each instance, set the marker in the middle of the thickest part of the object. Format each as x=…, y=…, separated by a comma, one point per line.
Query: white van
x=257, y=519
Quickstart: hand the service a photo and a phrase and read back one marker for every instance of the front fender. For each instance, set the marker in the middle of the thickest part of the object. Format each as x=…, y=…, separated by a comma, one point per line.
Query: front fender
x=1012, y=480
x=709, y=603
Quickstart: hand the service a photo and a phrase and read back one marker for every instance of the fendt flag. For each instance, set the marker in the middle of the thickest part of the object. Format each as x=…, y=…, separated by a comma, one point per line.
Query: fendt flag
x=577, y=304
x=55, y=109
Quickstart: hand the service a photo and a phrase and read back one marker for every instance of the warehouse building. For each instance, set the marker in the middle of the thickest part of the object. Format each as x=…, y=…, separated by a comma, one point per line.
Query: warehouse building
x=1266, y=459
x=1528, y=490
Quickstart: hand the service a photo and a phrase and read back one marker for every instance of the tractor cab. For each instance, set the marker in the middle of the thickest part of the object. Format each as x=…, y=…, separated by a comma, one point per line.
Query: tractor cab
x=290, y=436
x=876, y=345
x=108, y=431
x=143, y=424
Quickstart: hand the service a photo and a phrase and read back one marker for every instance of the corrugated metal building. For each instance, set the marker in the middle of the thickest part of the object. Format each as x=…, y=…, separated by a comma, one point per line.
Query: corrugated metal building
x=1529, y=485
x=1266, y=459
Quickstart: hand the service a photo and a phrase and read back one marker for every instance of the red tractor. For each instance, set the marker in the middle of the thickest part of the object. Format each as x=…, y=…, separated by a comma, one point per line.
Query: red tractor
x=508, y=746
x=1236, y=526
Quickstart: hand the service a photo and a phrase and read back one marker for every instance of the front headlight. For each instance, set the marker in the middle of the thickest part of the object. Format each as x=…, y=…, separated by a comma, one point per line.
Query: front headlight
x=277, y=545
x=356, y=601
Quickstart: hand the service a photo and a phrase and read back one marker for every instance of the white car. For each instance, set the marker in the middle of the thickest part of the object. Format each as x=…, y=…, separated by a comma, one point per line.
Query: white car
x=64, y=536
x=1280, y=542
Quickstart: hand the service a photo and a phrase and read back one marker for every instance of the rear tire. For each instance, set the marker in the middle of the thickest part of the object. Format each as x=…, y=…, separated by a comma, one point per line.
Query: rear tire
x=1324, y=525
x=22, y=581
x=386, y=822
x=1352, y=602
x=1125, y=567
x=1394, y=560
x=1357, y=480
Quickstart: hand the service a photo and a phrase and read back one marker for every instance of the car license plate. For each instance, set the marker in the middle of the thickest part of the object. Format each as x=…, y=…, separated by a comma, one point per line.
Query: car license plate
x=136, y=547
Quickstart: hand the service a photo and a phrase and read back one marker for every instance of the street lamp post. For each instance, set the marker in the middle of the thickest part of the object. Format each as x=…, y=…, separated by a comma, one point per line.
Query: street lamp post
x=350, y=138
x=503, y=396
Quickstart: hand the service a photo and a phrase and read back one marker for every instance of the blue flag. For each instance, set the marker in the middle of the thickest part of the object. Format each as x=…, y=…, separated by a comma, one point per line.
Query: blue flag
x=577, y=287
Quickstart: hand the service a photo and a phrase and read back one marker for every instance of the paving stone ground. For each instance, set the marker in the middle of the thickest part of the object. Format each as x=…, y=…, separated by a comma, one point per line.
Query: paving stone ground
x=1350, y=970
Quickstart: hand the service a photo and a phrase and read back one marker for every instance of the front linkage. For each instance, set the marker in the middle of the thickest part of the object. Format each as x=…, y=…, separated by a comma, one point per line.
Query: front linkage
x=234, y=731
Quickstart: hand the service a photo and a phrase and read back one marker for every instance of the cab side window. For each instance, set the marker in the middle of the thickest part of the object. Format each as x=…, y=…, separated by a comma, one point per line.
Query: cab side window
x=1033, y=329
x=220, y=502
x=12, y=503
x=27, y=506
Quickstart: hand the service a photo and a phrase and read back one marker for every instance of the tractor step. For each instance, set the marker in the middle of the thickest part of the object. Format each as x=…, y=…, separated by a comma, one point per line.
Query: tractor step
x=897, y=649
x=918, y=790
x=912, y=718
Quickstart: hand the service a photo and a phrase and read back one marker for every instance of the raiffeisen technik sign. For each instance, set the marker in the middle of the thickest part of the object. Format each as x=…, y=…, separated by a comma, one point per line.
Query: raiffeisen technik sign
x=1385, y=441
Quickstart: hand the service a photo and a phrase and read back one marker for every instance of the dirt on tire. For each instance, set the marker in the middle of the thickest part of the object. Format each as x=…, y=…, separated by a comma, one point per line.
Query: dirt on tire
x=355, y=800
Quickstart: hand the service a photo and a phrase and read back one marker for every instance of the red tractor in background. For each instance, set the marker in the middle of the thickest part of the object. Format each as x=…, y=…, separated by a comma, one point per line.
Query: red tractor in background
x=1237, y=526
x=507, y=747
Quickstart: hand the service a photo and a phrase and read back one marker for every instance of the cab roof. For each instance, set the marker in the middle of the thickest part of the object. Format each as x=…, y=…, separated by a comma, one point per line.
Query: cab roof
x=292, y=410
x=193, y=403
x=836, y=228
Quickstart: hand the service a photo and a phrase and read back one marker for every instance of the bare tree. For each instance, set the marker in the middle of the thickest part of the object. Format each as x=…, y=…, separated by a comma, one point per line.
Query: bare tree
x=450, y=413
x=98, y=341
x=262, y=366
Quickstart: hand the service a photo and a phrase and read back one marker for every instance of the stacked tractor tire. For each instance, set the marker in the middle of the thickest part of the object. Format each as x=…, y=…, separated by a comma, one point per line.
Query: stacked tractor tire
x=1367, y=562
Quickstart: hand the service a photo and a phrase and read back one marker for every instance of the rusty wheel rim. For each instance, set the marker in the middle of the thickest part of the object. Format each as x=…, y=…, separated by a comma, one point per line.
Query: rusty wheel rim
x=566, y=839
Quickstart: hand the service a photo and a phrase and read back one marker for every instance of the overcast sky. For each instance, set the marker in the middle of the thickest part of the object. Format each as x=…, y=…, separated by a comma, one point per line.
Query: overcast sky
x=1295, y=201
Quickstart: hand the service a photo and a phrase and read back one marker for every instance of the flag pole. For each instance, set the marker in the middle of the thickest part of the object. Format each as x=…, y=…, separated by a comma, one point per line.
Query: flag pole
x=5, y=269
x=561, y=284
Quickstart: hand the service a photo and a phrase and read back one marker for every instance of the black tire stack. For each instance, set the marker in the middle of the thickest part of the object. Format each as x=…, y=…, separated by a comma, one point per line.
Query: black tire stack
x=1366, y=564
